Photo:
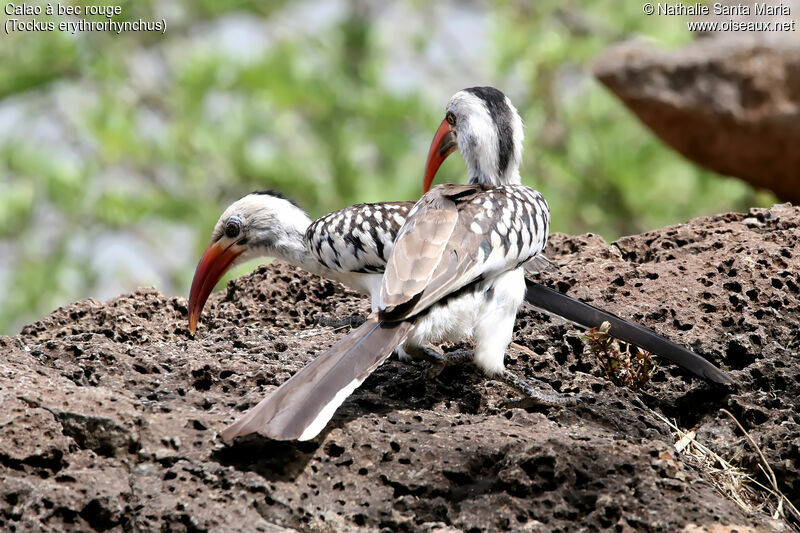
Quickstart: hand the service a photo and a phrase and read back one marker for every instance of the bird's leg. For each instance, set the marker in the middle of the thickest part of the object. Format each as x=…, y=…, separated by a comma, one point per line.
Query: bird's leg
x=492, y=338
x=534, y=396
x=449, y=359
x=353, y=321
x=408, y=353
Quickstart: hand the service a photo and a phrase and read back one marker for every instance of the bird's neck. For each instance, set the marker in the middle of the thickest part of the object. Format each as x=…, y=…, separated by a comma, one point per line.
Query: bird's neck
x=286, y=240
x=303, y=259
x=294, y=250
x=484, y=174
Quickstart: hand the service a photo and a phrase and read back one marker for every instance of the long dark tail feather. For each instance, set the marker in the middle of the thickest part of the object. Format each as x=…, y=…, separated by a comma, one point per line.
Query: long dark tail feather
x=301, y=407
x=589, y=316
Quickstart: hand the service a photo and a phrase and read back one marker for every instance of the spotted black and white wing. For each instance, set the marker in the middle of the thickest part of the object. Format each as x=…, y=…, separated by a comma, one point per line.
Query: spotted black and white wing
x=358, y=238
x=457, y=235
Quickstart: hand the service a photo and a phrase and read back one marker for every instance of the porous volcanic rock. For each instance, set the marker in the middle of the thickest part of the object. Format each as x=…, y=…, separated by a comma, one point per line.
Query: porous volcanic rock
x=730, y=102
x=111, y=410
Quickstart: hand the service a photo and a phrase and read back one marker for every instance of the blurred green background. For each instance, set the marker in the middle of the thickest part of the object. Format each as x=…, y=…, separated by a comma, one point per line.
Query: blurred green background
x=119, y=152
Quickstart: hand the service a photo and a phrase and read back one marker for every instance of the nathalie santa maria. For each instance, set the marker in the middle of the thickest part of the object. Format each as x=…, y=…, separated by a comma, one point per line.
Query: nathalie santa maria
x=758, y=9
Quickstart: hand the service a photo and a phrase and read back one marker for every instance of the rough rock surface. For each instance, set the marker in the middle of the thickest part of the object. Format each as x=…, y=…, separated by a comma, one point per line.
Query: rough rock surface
x=730, y=102
x=111, y=410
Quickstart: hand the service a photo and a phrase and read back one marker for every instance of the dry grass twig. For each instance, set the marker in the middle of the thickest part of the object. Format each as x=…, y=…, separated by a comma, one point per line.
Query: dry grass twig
x=770, y=475
x=733, y=482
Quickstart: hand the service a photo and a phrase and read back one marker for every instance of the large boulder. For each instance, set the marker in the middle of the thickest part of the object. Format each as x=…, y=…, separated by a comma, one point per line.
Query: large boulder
x=730, y=102
x=111, y=410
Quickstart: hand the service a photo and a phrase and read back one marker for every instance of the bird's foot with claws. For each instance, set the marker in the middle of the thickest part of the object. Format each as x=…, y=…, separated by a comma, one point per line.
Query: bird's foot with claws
x=533, y=396
x=440, y=361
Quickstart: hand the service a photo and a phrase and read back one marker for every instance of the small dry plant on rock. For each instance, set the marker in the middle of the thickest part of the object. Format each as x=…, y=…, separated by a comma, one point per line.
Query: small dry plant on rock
x=621, y=367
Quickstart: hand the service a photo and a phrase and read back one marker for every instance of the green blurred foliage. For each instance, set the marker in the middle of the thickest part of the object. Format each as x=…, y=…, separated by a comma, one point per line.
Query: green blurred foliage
x=156, y=132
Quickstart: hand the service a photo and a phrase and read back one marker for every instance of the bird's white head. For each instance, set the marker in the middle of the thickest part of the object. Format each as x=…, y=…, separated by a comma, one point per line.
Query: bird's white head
x=262, y=224
x=485, y=127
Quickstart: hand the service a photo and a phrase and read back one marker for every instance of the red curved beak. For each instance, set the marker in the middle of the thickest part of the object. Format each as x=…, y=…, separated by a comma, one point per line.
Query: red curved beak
x=444, y=143
x=215, y=262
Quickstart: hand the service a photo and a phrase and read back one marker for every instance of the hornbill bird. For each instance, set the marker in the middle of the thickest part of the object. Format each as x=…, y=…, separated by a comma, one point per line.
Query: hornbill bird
x=455, y=271
x=506, y=154
x=350, y=245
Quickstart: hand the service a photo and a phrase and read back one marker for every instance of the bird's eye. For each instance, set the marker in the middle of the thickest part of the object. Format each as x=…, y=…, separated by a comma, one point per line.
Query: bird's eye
x=233, y=227
x=450, y=118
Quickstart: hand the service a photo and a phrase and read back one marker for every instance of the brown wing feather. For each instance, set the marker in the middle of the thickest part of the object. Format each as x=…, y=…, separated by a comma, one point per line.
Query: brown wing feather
x=434, y=254
x=456, y=235
x=418, y=249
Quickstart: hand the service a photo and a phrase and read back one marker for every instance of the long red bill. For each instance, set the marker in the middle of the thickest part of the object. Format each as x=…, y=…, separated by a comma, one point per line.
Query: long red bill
x=444, y=143
x=215, y=262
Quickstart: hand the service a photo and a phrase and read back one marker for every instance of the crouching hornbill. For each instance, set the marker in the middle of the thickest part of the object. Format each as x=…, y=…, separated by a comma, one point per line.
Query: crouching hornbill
x=455, y=271
x=350, y=245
